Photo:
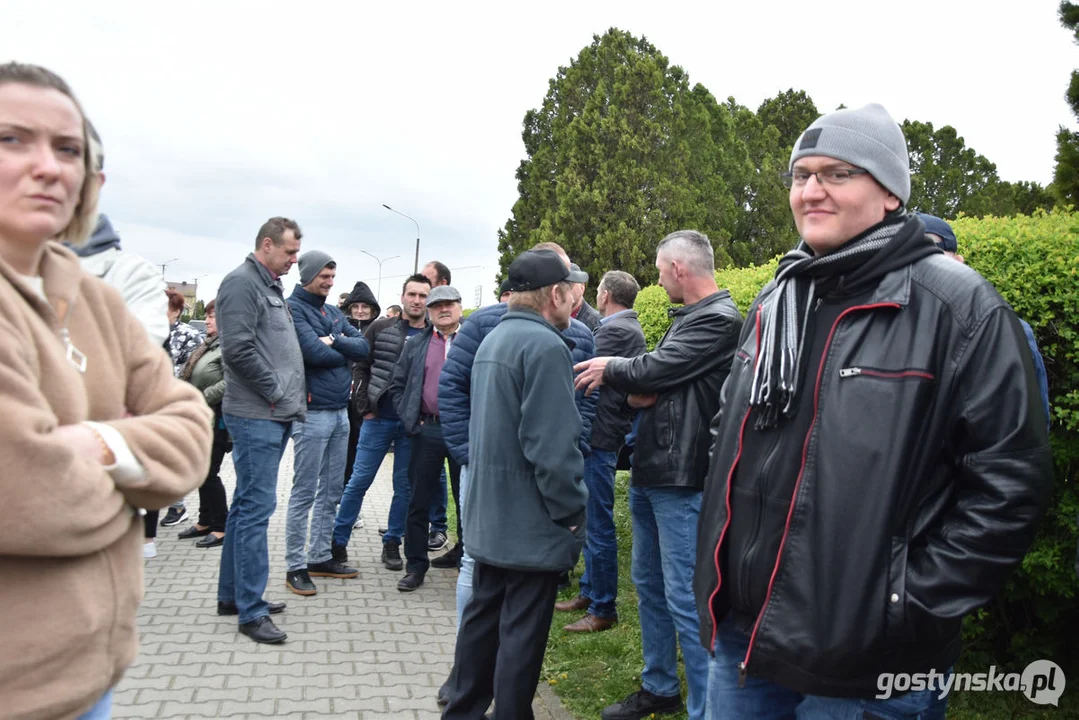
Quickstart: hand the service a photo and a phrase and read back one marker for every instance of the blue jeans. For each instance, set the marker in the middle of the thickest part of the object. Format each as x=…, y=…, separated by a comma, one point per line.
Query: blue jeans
x=600, y=580
x=464, y=577
x=257, y=447
x=101, y=711
x=664, y=550
x=321, y=446
x=768, y=701
x=375, y=438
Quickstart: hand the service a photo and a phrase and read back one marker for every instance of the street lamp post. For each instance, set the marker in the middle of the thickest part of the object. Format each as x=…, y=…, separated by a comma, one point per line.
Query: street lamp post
x=416, y=264
x=166, y=264
x=379, y=295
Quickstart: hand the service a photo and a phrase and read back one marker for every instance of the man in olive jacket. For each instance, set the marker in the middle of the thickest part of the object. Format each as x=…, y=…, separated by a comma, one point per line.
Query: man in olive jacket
x=525, y=497
x=678, y=386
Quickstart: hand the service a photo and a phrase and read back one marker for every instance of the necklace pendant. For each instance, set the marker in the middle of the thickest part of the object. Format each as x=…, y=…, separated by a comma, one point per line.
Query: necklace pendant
x=74, y=356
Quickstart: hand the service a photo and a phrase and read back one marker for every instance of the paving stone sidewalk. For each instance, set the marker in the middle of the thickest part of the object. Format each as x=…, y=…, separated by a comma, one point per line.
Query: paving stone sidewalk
x=357, y=649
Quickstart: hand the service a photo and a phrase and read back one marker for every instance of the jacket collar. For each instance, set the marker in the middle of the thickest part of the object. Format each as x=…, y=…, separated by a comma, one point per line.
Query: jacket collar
x=537, y=318
x=265, y=274
x=60, y=274
x=702, y=303
x=894, y=287
x=315, y=301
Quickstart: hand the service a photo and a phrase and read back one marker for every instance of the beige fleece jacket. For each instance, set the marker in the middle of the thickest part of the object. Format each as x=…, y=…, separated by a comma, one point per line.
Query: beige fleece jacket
x=70, y=539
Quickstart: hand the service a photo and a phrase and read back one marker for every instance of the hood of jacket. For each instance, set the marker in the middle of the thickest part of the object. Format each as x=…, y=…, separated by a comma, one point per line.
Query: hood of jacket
x=103, y=238
x=362, y=293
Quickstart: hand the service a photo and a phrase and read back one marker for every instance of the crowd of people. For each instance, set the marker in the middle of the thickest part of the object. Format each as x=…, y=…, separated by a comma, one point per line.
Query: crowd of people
x=820, y=490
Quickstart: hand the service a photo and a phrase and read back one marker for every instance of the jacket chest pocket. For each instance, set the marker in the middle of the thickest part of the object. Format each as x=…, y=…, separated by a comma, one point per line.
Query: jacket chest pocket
x=277, y=313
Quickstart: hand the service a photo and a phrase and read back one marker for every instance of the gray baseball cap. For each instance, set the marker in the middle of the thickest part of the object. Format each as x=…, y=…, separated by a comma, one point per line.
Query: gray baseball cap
x=576, y=274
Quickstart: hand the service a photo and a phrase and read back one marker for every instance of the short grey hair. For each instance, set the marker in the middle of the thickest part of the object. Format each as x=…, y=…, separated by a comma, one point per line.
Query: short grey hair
x=693, y=249
x=622, y=286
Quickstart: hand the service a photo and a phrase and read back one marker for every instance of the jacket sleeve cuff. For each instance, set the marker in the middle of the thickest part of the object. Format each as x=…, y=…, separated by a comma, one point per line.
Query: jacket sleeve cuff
x=126, y=470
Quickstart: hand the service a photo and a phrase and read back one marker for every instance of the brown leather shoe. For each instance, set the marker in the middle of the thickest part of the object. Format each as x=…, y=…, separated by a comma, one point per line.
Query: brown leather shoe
x=591, y=623
x=574, y=605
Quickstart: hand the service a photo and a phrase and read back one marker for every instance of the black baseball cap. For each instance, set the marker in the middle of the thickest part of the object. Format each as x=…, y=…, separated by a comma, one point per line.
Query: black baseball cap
x=535, y=269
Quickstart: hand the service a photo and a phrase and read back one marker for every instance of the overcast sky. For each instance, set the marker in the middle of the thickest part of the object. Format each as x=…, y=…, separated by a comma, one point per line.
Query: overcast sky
x=216, y=116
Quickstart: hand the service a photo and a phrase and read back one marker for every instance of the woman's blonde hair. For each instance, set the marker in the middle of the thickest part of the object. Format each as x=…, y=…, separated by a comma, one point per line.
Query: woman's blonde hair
x=84, y=219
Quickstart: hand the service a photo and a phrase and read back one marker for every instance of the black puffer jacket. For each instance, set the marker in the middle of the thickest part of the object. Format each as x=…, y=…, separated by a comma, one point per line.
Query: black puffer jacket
x=387, y=337
x=922, y=476
x=687, y=369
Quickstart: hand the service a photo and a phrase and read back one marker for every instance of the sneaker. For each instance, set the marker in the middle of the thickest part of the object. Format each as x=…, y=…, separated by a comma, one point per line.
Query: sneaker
x=331, y=568
x=149, y=550
x=359, y=523
x=339, y=553
x=437, y=540
x=391, y=556
x=299, y=582
x=642, y=704
x=174, y=517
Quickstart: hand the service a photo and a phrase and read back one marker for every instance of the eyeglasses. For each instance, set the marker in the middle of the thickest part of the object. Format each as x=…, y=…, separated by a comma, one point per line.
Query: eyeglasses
x=831, y=176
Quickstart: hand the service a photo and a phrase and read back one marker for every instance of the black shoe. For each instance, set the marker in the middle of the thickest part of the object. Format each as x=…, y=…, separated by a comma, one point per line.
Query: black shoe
x=391, y=556
x=410, y=582
x=641, y=704
x=331, y=568
x=210, y=541
x=227, y=608
x=262, y=630
x=174, y=517
x=443, y=698
x=436, y=541
x=299, y=582
x=382, y=531
x=450, y=560
x=564, y=581
x=192, y=532
x=339, y=553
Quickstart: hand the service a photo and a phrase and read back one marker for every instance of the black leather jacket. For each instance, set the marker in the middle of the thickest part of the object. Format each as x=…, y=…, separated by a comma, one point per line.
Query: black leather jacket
x=923, y=474
x=687, y=369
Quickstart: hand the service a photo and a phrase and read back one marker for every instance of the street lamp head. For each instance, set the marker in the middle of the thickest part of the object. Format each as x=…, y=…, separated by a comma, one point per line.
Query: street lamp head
x=387, y=206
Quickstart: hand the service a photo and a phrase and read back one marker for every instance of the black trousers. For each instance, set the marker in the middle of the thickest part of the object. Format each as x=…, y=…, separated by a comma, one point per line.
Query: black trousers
x=428, y=457
x=355, y=422
x=213, y=503
x=501, y=643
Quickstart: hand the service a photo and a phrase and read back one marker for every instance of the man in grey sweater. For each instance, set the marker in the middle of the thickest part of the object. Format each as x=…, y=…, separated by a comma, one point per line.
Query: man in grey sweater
x=264, y=396
x=525, y=496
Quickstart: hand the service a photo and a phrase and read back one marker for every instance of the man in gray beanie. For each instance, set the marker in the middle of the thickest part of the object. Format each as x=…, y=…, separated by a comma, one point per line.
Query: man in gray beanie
x=328, y=343
x=880, y=459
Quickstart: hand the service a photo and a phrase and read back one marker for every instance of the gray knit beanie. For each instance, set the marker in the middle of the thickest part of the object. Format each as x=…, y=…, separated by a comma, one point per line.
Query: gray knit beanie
x=311, y=264
x=867, y=138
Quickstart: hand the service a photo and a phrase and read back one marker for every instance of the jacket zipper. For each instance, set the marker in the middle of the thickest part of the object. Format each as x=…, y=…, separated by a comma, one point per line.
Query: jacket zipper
x=762, y=475
x=744, y=665
x=727, y=522
x=890, y=374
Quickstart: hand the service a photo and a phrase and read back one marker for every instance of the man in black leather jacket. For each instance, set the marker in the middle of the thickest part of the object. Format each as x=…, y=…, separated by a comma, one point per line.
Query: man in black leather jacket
x=880, y=459
x=677, y=385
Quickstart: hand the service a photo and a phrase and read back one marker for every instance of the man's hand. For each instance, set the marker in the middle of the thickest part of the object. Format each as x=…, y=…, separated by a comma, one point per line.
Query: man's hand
x=327, y=341
x=369, y=416
x=85, y=442
x=590, y=375
x=639, y=401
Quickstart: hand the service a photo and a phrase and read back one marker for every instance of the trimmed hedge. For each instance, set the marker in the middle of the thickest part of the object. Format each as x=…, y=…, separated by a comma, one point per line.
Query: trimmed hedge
x=1033, y=261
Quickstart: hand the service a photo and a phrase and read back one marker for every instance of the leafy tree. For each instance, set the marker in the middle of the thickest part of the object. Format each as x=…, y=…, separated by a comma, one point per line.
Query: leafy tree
x=200, y=310
x=790, y=112
x=1066, y=174
x=620, y=153
x=945, y=173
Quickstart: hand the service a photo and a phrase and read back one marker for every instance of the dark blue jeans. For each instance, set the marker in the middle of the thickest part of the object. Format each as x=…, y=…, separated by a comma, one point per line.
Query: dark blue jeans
x=257, y=446
x=664, y=548
x=768, y=701
x=600, y=580
x=375, y=438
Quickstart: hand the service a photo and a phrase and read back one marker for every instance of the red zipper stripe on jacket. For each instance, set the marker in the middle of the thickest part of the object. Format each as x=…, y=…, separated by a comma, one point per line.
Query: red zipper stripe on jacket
x=727, y=523
x=801, y=470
